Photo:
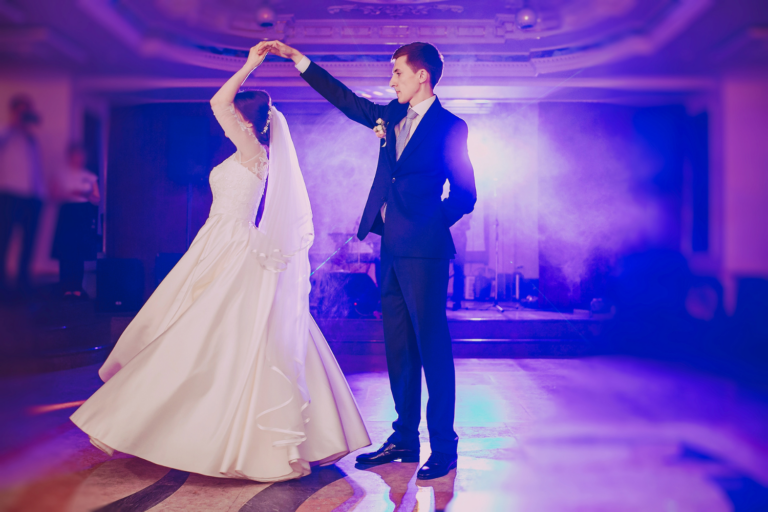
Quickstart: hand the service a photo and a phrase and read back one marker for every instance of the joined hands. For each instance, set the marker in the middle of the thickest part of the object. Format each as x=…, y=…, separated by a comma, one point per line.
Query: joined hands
x=259, y=52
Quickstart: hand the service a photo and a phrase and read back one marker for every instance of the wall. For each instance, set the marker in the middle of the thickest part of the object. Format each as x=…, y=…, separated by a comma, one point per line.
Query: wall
x=147, y=207
x=610, y=183
x=148, y=196
x=338, y=158
x=149, y=188
x=744, y=181
x=503, y=147
x=576, y=184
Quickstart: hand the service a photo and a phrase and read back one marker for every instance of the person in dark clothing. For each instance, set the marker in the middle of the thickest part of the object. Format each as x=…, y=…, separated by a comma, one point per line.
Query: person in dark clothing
x=21, y=189
x=422, y=146
x=76, y=239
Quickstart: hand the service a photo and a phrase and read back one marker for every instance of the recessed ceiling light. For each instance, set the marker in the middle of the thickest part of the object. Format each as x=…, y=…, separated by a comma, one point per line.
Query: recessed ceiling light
x=265, y=16
x=526, y=18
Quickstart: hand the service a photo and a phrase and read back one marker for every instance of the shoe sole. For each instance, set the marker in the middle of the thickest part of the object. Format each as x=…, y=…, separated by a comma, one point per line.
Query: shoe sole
x=377, y=463
x=453, y=466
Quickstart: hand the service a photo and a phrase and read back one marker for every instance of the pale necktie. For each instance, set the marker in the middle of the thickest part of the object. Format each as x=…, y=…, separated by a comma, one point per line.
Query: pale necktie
x=402, y=137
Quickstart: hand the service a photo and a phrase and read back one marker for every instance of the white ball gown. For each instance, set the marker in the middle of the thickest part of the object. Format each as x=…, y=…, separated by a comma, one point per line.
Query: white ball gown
x=224, y=372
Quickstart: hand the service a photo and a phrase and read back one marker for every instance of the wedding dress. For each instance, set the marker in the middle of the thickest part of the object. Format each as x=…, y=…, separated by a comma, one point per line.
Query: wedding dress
x=224, y=372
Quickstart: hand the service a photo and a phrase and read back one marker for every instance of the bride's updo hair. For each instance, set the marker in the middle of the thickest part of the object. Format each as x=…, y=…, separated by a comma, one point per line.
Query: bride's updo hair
x=254, y=106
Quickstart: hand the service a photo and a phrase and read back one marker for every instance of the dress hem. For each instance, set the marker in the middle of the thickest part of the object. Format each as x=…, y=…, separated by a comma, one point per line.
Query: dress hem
x=326, y=461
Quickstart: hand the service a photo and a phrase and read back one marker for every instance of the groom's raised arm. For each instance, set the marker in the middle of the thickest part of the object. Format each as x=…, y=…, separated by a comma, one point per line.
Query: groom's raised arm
x=339, y=95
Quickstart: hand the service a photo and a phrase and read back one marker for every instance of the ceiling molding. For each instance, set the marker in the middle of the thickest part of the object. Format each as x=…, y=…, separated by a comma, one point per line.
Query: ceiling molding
x=492, y=33
x=754, y=35
x=23, y=40
x=103, y=12
x=495, y=31
x=397, y=10
x=285, y=75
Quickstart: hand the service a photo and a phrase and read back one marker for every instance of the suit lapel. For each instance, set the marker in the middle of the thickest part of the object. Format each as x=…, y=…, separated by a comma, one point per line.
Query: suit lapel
x=425, y=127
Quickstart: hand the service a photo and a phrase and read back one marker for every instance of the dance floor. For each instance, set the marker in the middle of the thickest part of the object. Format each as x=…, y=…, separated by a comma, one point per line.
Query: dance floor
x=587, y=434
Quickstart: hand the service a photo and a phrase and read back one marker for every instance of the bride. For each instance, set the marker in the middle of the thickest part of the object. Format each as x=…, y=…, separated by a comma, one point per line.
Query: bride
x=224, y=372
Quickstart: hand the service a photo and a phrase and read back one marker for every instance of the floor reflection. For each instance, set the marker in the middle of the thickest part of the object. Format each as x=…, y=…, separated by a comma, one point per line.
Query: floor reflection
x=544, y=435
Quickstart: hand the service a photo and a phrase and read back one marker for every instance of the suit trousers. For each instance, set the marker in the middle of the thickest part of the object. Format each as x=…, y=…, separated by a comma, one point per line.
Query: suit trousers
x=413, y=299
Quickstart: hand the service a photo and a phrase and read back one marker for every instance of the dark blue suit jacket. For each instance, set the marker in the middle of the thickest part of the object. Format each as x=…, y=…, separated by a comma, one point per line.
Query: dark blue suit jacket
x=417, y=220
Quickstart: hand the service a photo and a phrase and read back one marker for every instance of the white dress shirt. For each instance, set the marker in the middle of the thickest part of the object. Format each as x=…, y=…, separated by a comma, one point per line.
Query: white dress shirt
x=20, y=172
x=420, y=109
x=303, y=64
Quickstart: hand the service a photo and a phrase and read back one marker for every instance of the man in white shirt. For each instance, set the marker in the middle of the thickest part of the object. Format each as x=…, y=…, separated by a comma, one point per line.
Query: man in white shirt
x=21, y=187
x=423, y=146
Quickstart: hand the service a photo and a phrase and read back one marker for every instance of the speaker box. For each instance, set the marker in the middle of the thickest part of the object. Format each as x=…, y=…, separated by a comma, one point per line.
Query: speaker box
x=119, y=284
x=346, y=295
x=555, y=293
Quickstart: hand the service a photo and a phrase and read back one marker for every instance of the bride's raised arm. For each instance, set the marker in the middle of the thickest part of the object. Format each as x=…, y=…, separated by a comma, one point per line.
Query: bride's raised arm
x=239, y=129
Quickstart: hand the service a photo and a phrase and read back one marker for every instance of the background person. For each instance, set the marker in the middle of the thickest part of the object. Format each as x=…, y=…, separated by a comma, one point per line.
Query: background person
x=76, y=239
x=21, y=188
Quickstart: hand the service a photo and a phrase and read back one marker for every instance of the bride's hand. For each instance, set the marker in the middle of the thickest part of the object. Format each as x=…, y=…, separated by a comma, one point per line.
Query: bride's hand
x=257, y=55
x=284, y=51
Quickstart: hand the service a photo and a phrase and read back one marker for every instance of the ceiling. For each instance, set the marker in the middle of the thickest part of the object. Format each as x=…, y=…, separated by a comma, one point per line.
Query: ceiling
x=582, y=50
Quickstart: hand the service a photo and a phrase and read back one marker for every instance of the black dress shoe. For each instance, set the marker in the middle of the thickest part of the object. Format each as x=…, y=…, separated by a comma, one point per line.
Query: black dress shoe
x=387, y=453
x=438, y=464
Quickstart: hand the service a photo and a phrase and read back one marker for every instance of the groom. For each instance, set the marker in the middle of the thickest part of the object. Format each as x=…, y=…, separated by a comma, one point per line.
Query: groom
x=425, y=145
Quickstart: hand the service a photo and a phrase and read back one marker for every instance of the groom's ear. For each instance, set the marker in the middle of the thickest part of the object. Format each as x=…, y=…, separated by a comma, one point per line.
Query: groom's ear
x=423, y=75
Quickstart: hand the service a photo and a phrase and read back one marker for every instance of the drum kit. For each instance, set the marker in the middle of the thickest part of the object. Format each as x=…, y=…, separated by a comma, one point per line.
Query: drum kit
x=355, y=252
x=346, y=285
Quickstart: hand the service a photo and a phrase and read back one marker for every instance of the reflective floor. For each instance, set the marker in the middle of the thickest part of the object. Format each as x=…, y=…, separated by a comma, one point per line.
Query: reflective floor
x=590, y=434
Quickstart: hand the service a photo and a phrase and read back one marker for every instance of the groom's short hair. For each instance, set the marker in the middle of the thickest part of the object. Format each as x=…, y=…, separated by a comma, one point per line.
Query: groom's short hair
x=422, y=56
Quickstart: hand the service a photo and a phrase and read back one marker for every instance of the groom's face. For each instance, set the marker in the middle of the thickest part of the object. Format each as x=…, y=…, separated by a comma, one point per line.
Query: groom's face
x=404, y=81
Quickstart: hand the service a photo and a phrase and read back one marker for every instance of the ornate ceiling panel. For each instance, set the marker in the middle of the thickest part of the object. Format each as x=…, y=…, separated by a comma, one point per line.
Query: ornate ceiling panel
x=502, y=38
x=547, y=17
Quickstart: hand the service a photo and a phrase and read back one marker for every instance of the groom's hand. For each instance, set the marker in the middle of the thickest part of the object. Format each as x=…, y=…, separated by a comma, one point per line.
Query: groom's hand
x=285, y=51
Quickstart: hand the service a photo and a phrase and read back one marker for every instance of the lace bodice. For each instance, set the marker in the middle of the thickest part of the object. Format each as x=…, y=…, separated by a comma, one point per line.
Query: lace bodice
x=238, y=182
x=236, y=190
x=250, y=153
